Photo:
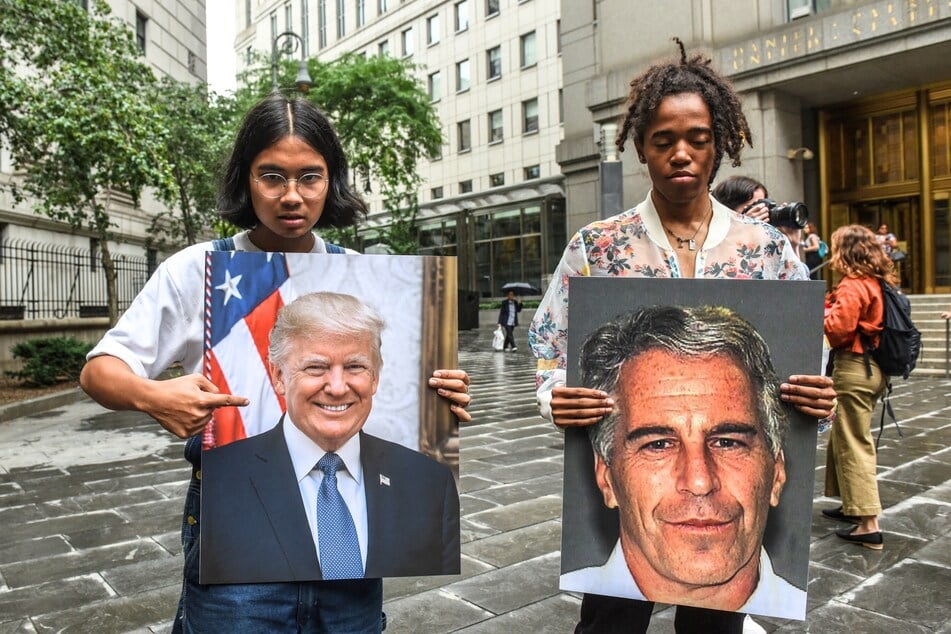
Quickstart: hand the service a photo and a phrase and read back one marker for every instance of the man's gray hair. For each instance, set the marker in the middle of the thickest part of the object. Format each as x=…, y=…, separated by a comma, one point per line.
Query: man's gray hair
x=685, y=332
x=318, y=314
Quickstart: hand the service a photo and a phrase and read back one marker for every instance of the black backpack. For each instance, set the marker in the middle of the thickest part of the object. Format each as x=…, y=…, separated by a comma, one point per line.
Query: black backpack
x=898, y=346
x=899, y=342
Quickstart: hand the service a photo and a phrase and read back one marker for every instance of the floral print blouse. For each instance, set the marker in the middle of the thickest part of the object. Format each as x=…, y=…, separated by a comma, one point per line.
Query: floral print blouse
x=634, y=243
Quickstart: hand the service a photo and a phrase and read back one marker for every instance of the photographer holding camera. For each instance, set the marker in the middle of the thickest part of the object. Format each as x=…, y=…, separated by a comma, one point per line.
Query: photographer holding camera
x=749, y=197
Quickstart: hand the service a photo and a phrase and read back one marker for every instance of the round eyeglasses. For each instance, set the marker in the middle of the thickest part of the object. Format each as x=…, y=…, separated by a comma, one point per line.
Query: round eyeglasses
x=308, y=185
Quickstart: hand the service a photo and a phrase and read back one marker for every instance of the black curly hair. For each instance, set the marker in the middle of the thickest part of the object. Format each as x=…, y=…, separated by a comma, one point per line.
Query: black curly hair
x=693, y=75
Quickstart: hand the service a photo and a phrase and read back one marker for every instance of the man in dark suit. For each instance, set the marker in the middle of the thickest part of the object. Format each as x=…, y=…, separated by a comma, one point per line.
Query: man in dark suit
x=508, y=319
x=267, y=500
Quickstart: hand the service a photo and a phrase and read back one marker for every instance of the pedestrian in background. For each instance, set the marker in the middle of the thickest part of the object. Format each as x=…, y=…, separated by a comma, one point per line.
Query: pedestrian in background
x=508, y=319
x=854, y=318
x=886, y=239
x=810, y=249
x=287, y=175
x=683, y=117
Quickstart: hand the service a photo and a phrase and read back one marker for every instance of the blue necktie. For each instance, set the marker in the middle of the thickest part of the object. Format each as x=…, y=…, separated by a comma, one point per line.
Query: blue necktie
x=337, y=536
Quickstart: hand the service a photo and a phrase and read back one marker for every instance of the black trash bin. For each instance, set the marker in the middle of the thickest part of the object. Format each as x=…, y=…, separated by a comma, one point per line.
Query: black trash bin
x=468, y=309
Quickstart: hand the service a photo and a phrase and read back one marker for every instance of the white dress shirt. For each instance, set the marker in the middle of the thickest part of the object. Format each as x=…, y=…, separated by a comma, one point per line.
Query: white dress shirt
x=305, y=454
x=773, y=596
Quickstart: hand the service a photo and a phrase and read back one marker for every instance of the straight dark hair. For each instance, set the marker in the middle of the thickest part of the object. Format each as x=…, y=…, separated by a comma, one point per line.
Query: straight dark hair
x=736, y=190
x=273, y=118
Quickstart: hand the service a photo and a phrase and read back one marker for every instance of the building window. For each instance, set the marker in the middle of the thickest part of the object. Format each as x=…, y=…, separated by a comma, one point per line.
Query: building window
x=321, y=23
x=305, y=27
x=432, y=29
x=465, y=187
x=140, y=25
x=361, y=13
x=558, y=36
x=799, y=8
x=462, y=75
x=532, y=172
x=507, y=245
x=530, y=116
x=497, y=180
x=491, y=8
x=406, y=40
x=434, y=85
x=462, y=15
x=383, y=48
x=561, y=105
x=464, y=130
x=273, y=20
x=382, y=6
x=528, y=56
x=438, y=238
x=341, y=18
x=192, y=63
x=249, y=55
x=495, y=126
x=247, y=12
x=288, y=18
x=436, y=193
x=493, y=62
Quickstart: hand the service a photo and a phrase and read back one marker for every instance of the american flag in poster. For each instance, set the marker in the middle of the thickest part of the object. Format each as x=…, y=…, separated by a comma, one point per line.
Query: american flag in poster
x=242, y=298
x=244, y=292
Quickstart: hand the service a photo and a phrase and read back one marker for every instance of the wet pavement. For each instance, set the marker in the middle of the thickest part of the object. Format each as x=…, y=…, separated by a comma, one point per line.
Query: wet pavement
x=90, y=510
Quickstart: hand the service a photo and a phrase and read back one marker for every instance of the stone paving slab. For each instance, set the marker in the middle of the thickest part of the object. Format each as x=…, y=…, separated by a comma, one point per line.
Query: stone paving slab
x=431, y=611
x=513, y=586
x=511, y=547
x=121, y=614
x=75, y=563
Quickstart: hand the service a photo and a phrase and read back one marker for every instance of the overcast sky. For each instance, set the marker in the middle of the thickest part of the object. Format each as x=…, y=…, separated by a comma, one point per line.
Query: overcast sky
x=221, y=61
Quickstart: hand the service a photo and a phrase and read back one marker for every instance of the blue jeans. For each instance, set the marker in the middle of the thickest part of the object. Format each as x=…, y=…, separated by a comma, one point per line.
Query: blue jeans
x=345, y=607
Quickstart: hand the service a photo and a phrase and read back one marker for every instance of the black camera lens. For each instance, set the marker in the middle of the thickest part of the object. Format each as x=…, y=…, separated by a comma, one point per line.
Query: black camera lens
x=794, y=215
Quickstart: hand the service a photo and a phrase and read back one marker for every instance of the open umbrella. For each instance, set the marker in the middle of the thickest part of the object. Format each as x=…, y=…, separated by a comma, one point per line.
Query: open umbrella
x=520, y=288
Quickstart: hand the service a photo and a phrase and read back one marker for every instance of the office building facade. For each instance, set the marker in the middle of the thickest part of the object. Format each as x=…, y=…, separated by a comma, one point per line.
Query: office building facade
x=492, y=68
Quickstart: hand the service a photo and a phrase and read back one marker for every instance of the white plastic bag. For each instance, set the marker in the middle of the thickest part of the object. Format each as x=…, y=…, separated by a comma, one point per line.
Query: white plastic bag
x=498, y=339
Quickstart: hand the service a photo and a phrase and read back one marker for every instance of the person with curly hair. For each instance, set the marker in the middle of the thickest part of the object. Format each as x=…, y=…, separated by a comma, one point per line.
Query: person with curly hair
x=683, y=117
x=854, y=319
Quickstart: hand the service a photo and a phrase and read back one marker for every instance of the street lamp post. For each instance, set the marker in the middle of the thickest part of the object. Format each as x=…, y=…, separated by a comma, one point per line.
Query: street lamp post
x=291, y=42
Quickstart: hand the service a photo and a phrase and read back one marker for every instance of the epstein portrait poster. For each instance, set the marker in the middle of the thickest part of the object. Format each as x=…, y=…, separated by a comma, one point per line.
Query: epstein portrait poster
x=345, y=462
x=698, y=489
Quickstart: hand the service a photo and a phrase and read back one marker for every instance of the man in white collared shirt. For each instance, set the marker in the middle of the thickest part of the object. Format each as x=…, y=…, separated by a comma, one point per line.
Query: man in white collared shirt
x=691, y=458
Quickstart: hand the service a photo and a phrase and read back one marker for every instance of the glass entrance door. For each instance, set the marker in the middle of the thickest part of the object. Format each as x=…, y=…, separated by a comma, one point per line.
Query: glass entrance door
x=942, y=243
x=901, y=217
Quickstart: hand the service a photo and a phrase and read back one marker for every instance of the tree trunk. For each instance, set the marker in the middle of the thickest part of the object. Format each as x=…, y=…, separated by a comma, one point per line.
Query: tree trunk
x=100, y=214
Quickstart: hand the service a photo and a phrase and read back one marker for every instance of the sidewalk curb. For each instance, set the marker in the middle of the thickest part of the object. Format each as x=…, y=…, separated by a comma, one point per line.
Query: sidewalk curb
x=41, y=404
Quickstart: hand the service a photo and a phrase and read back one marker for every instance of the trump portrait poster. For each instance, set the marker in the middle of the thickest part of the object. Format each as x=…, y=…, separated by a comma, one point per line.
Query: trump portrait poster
x=697, y=488
x=345, y=462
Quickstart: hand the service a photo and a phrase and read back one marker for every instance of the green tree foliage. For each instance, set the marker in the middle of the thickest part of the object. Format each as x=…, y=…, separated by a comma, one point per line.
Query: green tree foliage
x=386, y=123
x=76, y=114
x=199, y=128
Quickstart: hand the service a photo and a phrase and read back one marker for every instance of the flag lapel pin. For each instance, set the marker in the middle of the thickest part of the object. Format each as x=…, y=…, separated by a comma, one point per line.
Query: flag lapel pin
x=384, y=480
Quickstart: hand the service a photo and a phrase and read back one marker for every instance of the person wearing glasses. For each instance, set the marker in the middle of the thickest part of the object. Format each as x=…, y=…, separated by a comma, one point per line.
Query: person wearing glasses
x=286, y=176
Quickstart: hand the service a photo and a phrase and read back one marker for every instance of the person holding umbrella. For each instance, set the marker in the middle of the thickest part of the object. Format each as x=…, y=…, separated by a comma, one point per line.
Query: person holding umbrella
x=508, y=319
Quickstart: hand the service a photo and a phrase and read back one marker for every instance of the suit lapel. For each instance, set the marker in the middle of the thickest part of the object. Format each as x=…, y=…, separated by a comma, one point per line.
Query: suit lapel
x=273, y=479
x=377, y=486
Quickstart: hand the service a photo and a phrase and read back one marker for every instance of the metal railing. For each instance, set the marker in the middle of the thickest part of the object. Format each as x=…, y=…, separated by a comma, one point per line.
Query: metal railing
x=45, y=281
